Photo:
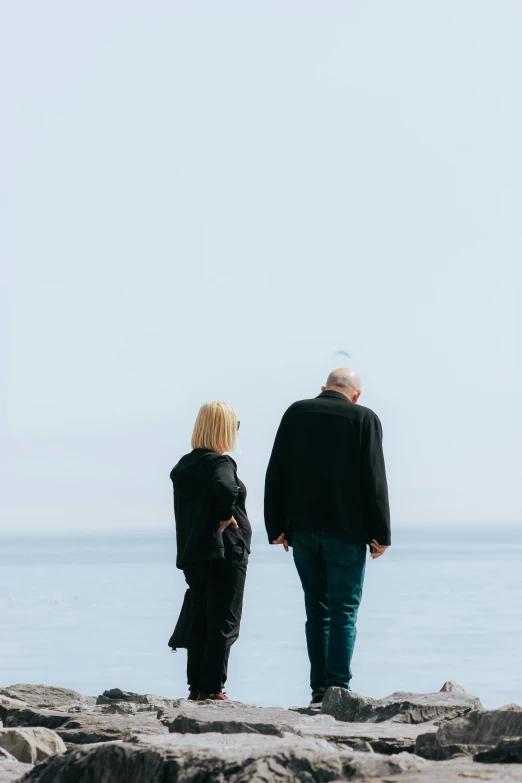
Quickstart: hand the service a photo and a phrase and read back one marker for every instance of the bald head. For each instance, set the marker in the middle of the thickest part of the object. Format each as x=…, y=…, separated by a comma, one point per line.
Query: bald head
x=345, y=381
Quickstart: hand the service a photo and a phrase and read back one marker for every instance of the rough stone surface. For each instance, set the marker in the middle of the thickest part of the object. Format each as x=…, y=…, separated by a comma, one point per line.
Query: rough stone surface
x=46, y=696
x=218, y=718
x=6, y=705
x=36, y=716
x=449, y=703
x=508, y=751
x=459, y=770
x=214, y=758
x=472, y=734
x=88, y=727
x=123, y=736
x=344, y=705
x=31, y=745
x=85, y=729
x=11, y=770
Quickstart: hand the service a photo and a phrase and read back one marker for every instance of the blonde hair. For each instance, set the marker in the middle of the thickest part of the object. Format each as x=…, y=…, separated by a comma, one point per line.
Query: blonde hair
x=215, y=427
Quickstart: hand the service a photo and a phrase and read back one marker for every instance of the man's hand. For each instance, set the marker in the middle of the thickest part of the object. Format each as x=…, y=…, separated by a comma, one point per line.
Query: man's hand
x=282, y=540
x=230, y=521
x=376, y=550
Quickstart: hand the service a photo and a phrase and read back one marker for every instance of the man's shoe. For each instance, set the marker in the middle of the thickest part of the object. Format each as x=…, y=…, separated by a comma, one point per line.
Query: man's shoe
x=317, y=699
x=219, y=696
x=193, y=694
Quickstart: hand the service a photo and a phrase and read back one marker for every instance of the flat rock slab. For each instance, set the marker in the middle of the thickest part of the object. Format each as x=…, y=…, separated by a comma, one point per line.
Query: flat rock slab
x=46, y=696
x=458, y=771
x=215, y=758
x=450, y=702
x=11, y=770
x=475, y=733
x=383, y=738
x=88, y=727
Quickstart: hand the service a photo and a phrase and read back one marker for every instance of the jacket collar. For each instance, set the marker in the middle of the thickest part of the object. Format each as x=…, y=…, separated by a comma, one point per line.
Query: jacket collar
x=335, y=395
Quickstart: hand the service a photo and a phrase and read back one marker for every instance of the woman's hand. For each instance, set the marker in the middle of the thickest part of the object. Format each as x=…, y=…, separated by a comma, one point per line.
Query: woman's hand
x=230, y=521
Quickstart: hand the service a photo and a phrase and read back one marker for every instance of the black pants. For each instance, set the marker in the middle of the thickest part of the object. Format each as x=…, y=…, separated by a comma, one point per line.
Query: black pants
x=217, y=588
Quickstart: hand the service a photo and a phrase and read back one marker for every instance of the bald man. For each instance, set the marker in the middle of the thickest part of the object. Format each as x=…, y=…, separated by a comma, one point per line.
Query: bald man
x=326, y=495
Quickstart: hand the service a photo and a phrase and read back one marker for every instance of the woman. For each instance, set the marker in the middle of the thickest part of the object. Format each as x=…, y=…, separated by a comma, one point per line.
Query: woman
x=213, y=538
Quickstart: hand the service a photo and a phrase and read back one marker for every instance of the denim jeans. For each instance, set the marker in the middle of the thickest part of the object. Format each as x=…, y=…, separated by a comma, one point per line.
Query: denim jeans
x=331, y=569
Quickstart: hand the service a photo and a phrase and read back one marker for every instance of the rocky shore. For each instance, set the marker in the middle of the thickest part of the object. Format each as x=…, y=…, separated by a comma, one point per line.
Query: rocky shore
x=54, y=735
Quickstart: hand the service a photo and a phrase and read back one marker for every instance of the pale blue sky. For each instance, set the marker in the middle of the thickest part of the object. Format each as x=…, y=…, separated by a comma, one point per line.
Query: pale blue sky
x=207, y=199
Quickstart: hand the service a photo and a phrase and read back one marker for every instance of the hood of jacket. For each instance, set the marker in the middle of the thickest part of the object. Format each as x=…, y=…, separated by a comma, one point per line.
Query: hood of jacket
x=193, y=470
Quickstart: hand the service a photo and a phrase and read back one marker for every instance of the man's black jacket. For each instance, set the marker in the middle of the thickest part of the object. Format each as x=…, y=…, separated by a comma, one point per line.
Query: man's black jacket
x=327, y=473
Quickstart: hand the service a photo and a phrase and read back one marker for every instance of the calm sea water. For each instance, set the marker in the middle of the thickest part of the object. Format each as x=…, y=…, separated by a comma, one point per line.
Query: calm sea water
x=95, y=611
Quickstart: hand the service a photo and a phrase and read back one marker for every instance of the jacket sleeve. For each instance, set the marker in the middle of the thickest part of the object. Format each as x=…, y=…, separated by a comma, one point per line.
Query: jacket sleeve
x=275, y=484
x=225, y=488
x=375, y=487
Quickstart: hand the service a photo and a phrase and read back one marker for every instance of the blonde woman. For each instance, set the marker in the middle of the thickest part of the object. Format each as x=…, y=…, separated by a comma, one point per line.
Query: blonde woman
x=213, y=540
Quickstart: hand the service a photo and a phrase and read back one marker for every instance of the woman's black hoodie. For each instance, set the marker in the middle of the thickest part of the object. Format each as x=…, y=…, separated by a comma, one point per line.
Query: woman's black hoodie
x=206, y=492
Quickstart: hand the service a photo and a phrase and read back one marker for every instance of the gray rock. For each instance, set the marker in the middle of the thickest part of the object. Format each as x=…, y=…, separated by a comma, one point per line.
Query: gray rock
x=215, y=717
x=215, y=758
x=116, y=708
x=31, y=745
x=449, y=703
x=343, y=704
x=88, y=727
x=34, y=716
x=120, y=700
x=474, y=733
x=508, y=751
x=46, y=696
x=11, y=770
x=6, y=705
x=458, y=770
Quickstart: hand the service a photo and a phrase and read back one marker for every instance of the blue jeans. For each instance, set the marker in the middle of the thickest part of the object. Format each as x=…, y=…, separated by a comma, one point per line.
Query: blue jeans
x=331, y=569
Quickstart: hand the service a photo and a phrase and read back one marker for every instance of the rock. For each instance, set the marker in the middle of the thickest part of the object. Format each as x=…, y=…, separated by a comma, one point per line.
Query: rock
x=344, y=704
x=218, y=717
x=89, y=726
x=116, y=708
x=34, y=716
x=447, y=704
x=459, y=770
x=46, y=696
x=11, y=769
x=120, y=700
x=214, y=758
x=7, y=704
x=85, y=729
x=508, y=751
x=31, y=745
x=472, y=734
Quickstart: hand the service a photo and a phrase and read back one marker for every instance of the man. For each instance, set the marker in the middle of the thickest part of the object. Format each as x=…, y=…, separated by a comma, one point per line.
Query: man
x=326, y=495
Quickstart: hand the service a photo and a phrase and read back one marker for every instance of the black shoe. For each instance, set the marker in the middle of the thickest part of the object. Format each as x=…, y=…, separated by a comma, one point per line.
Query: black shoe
x=317, y=699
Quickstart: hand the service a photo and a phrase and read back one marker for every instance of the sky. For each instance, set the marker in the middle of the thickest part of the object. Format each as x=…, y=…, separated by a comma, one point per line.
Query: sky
x=205, y=200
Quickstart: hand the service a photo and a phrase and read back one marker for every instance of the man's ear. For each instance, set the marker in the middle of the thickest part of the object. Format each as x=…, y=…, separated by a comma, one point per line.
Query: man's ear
x=323, y=388
x=356, y=397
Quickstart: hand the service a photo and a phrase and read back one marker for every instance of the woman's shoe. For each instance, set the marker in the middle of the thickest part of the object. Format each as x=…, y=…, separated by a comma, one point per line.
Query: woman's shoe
x=219, y=696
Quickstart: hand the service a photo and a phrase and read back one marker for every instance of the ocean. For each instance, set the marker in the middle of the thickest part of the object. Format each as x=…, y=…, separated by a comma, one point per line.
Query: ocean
x=95, y=611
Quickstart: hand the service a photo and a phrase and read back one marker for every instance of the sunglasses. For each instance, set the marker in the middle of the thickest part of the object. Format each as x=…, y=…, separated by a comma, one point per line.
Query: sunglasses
x=238, y=425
